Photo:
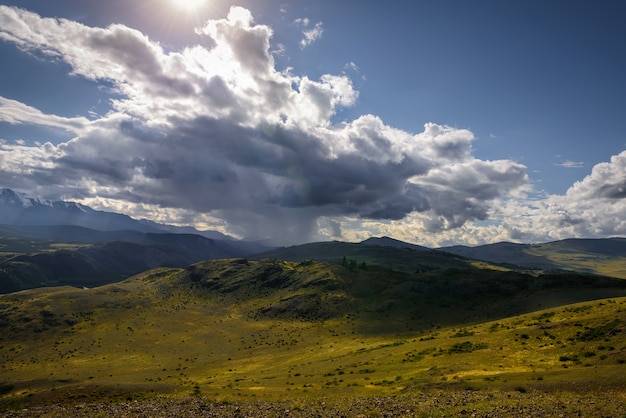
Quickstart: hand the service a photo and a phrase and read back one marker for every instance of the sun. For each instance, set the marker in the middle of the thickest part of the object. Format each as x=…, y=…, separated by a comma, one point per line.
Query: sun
x=189, y=5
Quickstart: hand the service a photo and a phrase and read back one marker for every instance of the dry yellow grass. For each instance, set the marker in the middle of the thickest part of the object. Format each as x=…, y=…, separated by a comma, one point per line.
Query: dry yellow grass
x=161, y=333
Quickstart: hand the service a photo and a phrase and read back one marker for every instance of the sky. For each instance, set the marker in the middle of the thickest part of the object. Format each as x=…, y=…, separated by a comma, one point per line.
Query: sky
x=433, y=122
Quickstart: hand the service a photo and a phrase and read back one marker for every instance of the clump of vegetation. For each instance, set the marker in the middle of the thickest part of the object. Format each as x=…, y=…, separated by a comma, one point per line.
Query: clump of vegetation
x=466, y=347
x=463, y=332
x=603, y=332
x=545, y=316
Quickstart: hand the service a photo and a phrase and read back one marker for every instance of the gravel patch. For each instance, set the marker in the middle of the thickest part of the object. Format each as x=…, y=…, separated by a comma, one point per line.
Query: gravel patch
x=431, y=404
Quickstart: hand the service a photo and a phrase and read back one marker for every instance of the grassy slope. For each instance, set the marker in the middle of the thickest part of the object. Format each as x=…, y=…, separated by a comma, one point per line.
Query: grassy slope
x=235, y=330
x=606, y=257
x=596, y=256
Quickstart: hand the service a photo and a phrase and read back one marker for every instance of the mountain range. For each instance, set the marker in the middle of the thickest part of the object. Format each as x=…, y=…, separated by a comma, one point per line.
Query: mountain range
x=51, y=243
x=20, y=209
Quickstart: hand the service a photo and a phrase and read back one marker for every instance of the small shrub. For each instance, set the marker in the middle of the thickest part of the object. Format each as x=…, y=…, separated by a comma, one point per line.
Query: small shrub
x=463, y=333
x=546, y=315
x=600, y=333
x=465, y=347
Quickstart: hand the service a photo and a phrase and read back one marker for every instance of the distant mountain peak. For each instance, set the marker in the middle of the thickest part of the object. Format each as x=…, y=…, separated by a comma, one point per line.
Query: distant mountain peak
x=11, y=197
x=20, y=209
x=384, y=238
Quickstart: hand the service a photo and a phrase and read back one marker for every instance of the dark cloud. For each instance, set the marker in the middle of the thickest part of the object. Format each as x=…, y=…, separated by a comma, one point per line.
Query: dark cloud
x=612, y=191
x=219, y=131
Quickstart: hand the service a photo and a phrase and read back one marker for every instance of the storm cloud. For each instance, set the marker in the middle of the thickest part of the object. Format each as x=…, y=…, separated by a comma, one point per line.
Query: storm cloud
x=219, y=130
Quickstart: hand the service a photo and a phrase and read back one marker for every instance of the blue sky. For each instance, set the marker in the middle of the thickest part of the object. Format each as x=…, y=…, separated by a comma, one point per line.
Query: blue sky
x=434, y=122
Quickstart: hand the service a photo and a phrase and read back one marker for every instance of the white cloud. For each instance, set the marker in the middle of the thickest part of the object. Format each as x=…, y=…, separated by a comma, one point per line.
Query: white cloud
x=607, y=180
x=217, y=136
x=304, y=21
x=592, y=207
x=310, y=35
x=279, y=49
x=351, y=66
x=570, y=164
x=17, y=113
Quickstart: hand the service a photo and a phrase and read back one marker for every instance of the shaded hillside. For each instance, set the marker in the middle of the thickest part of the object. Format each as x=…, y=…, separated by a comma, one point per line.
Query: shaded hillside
x=78, y=234
x=36, y=256
x=389, y=258
x=90, y=265
x=240, y=329
x=69, y=234
x=415, y=300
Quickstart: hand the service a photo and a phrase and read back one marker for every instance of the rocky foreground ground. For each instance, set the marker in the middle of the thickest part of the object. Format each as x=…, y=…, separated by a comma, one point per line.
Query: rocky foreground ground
x=430, y=404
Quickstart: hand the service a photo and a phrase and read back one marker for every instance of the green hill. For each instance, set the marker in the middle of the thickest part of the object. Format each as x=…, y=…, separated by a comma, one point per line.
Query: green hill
x=240, y=330
x=390, y=258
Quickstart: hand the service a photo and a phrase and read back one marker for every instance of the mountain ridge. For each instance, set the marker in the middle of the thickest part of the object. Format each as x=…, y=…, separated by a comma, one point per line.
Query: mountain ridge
x=59, y=223
x=20, y=209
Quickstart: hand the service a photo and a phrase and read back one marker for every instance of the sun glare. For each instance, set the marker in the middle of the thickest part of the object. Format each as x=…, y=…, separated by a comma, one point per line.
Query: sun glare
x=188, y=5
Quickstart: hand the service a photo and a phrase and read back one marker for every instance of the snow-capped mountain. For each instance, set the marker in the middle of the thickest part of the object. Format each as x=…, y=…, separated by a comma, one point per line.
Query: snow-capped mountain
x=9, y=197
x=21, y=209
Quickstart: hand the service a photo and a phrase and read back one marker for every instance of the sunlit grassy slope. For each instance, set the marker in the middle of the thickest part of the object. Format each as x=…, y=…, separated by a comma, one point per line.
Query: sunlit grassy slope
x=600, y=256
x=596, y=256
x=234, y=329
